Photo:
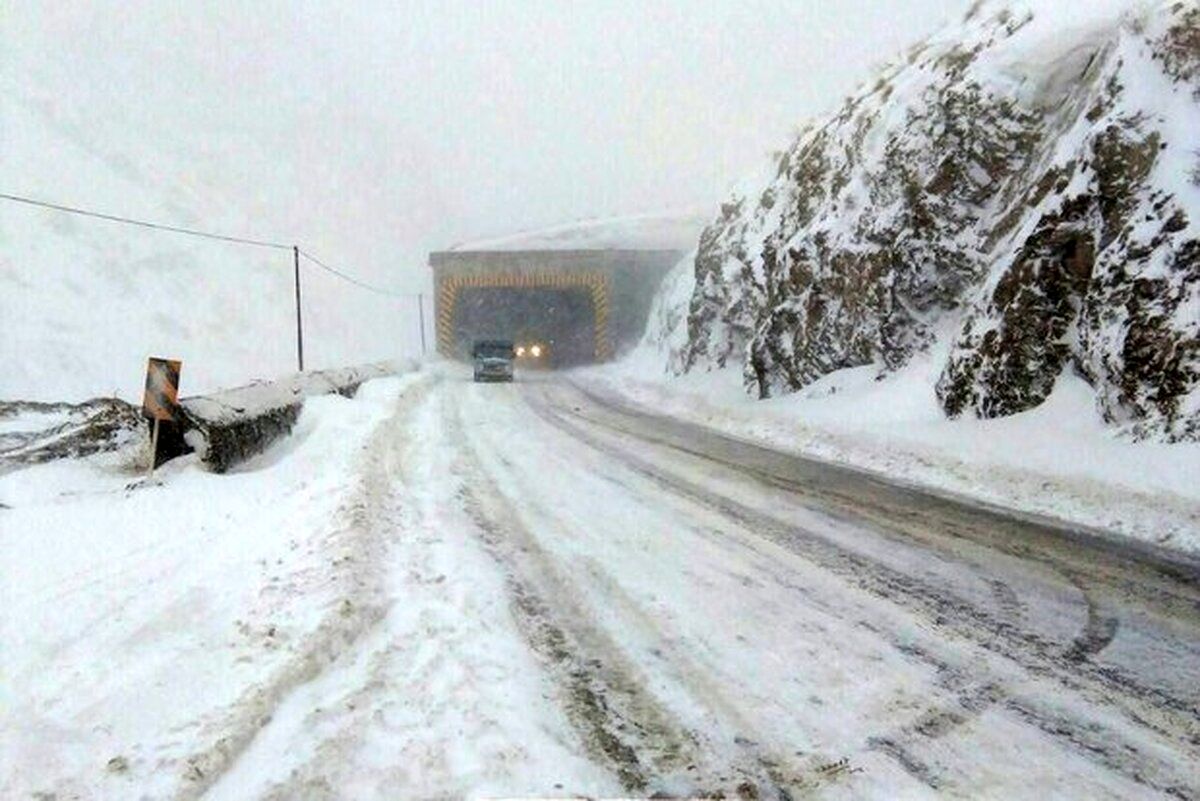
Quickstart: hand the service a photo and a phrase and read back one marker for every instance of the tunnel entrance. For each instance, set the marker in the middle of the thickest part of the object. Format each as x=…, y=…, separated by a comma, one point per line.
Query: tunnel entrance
x=518, y=293
x=560, y=321
x=565, y=314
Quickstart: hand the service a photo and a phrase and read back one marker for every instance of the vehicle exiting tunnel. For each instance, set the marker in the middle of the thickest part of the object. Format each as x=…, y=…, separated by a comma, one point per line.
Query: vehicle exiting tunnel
x=550, y=327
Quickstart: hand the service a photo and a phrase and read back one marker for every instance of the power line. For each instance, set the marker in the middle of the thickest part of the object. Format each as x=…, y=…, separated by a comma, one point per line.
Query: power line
x=205, y=235
x=145, y=223
x=295, y=249
x=352, y=279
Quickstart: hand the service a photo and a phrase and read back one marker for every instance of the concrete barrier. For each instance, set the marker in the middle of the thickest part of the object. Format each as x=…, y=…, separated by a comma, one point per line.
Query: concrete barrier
x=228, y=427
x=224, y=428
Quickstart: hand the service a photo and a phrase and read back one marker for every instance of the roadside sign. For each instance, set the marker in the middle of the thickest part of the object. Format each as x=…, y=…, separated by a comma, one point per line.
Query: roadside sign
x=161, y=399
x=162, y=389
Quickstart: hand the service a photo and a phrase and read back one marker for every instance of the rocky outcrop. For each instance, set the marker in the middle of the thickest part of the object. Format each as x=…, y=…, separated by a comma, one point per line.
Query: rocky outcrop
x=41, y=432
x=1033, y=192
x=1009, y=367
x=1107, y=281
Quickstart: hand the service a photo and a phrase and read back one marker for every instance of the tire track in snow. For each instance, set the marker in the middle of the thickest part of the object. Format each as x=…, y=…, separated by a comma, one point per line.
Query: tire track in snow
x=1099, y=631
x=1168, y=584
x=344, y=724
x=1188, y=711
x=603, y=693
x=903, y=526
x=1146, y=707
x=616, y=722
x=787, y=773
x=359, y=546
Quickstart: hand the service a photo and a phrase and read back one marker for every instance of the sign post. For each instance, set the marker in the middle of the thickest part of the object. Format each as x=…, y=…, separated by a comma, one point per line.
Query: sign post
x=160, y=401
x=421, y=318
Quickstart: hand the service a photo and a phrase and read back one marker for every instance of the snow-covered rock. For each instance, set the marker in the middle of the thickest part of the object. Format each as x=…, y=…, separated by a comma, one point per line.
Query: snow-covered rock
x=1026, y=182
x=31, y=433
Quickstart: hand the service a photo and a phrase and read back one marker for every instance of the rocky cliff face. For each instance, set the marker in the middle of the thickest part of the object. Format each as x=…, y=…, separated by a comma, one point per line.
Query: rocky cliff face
x=1029, y=190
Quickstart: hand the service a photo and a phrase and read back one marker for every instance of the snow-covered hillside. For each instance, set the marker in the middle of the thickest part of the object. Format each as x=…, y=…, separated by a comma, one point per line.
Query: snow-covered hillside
x=83, y=302
x=1023, y=187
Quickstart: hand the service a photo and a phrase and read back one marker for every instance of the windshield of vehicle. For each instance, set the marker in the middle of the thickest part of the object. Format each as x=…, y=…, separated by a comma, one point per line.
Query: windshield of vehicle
x=493, y=350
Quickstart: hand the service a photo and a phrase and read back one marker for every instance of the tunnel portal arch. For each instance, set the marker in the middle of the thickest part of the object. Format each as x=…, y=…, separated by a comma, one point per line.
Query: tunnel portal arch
x=596, y=285
x=609, y=293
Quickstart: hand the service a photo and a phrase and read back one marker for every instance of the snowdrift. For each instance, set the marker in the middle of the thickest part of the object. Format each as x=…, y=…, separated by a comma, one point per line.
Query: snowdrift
x=1024, y=187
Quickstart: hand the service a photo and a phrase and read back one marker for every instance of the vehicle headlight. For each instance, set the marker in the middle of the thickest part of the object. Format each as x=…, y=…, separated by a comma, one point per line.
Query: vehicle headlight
x=521, y=350
x=536, y=351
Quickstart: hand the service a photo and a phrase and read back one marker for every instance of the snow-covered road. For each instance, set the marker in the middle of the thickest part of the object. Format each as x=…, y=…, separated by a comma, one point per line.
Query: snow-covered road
x=542, y=592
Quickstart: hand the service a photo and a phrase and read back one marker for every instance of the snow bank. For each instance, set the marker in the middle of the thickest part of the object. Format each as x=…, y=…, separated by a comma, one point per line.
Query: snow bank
x=146, y=630
x=225, y=428
x=1057, y=460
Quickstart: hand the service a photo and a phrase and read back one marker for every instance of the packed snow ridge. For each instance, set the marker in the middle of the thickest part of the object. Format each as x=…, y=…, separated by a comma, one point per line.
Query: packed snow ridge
x=1021, y=190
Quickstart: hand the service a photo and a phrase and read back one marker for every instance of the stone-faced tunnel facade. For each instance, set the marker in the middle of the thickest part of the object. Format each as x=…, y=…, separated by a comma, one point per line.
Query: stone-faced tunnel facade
x=620, y=285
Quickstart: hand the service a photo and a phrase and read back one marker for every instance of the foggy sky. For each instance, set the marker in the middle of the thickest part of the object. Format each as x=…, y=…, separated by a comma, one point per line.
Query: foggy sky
x=377, y=131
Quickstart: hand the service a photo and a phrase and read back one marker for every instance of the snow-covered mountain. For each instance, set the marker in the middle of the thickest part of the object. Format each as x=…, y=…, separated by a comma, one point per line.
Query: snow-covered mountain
x=83, y=302
x=1023, y=188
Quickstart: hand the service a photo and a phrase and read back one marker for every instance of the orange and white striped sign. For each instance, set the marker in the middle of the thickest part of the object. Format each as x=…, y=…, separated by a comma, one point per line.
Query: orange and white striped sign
x=162, y=389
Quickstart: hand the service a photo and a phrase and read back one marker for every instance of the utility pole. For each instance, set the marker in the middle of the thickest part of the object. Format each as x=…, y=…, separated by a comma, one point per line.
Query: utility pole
x=299, y=324
x=421, y=315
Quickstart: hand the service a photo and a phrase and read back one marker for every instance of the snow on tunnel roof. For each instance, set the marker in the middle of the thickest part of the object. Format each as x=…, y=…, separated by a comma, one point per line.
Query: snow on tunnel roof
x=678, y=231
